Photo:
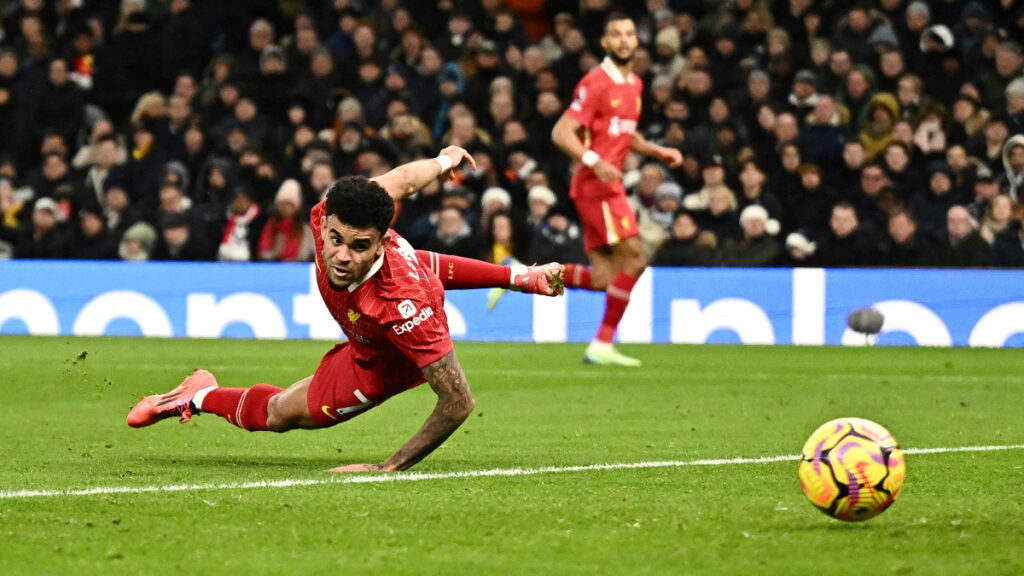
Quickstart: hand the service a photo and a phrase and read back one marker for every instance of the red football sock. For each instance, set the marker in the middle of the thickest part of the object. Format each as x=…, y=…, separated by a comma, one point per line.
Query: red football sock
x=456, y=272
x=243, y=407
x=577, y=276
x=616, y=300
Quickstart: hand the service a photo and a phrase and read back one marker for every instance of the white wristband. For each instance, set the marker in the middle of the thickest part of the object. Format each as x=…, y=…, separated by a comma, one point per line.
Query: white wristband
x=590, y=158
x=445, y=162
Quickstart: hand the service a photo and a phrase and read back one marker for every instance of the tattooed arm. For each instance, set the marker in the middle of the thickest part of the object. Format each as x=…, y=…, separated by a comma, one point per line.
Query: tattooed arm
x=454, y=404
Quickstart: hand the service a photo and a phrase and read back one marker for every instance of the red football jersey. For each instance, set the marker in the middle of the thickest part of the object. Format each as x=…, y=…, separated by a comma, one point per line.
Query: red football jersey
x=608, y=107
x=394, y=317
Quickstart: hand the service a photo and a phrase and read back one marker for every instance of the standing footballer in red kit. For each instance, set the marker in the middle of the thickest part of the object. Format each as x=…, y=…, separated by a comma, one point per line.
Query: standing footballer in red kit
x=598, y=130
x=389, y=302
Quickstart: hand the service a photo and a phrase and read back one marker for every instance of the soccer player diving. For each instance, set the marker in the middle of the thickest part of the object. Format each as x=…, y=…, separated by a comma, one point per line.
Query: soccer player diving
x=389, y=300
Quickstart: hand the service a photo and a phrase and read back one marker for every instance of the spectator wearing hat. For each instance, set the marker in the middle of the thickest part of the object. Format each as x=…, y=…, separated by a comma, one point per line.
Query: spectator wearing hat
x=557, y=239
x=540, y=200
x=799, y=251
x=758, y=92
x=1013, y=164
x=687, y=244
x=42, y=237
x=857, y=94
x=962, y=246
x=654, y=222
x=180, y=240
x=997, y=218
x=285, y=236
x=89, y=238
x=758, y=246
x=668, y=61
x=138, y=242
x=725, y=56
x=969, y=120
x=807, y=205
x=930, y=205
x=494, y=199
x=845, y=243
x=803, y=96
x=883, y=112
x=487, y=59
x=903, y=245
x=883, y=39
x=985, y=189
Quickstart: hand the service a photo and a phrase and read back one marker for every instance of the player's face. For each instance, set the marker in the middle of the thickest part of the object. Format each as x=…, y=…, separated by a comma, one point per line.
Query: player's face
x=349, y=252
x=619, y=40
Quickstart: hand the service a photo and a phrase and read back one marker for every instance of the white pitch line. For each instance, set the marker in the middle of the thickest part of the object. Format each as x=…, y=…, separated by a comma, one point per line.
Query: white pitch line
x=417, y=476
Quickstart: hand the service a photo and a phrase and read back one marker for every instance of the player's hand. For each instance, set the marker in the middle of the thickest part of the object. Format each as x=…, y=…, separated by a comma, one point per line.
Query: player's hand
x=457, y=154
x=358, y=468
x=607, y=172
x=671, y=156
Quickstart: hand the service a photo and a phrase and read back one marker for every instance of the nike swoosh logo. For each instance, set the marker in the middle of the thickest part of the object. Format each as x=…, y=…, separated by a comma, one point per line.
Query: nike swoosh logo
x=616, y=102
x=327, y=411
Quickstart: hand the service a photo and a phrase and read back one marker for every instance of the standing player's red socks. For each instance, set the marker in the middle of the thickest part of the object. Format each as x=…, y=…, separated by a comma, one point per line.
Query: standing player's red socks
x=243, y=407
x=616, y=300
x=456, y=272
x=577, y=276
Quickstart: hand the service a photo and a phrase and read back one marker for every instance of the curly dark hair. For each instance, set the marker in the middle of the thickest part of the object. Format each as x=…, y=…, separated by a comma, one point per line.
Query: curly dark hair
x=360, y=202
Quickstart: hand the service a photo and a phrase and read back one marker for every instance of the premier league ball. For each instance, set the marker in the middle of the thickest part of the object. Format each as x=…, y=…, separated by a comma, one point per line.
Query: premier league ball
x=852, y=469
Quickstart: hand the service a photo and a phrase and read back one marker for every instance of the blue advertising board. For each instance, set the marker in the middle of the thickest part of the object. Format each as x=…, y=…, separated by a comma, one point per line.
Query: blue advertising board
x=681, y=305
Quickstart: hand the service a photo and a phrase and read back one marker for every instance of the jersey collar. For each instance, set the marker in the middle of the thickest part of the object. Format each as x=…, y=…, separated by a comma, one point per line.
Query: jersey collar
x=373, y=270
x=612, y=71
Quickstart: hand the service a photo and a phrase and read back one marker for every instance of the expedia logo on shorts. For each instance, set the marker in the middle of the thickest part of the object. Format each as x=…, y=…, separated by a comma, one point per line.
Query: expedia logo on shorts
x=413, y=322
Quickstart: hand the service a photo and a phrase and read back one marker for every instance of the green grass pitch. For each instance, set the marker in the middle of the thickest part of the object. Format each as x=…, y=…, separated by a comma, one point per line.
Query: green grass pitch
x=65, y=400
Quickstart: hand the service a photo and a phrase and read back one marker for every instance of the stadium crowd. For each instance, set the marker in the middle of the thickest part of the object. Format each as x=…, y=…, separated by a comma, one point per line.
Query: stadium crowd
x=829, y=133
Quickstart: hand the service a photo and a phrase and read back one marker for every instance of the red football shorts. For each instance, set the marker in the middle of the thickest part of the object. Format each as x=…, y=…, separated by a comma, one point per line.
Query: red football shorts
x=606, y=220
x=341, y=390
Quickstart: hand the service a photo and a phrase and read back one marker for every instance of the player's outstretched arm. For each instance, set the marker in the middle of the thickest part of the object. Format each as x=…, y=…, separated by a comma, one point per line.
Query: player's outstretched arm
x=666, y=154
x=408, y=178
x=454, y=405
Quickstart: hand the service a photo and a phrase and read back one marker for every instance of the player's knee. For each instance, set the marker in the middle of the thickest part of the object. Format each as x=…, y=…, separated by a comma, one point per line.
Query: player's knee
x=635, y=264
x=277, y=420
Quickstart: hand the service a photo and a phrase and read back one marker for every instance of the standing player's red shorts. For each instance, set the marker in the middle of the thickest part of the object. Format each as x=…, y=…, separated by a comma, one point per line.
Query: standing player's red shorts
x=607, y=218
